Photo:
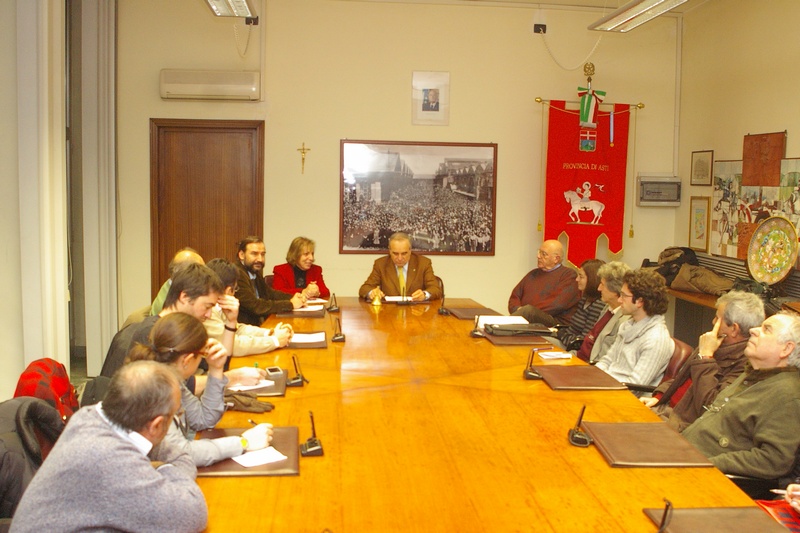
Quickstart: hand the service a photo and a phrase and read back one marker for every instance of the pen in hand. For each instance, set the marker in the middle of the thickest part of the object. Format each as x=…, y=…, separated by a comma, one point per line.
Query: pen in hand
x=252, y=421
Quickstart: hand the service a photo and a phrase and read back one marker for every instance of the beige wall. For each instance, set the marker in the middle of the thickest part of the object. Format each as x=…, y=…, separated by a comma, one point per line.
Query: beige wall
x=11, y=359
x=340, y=69
x=735, y=86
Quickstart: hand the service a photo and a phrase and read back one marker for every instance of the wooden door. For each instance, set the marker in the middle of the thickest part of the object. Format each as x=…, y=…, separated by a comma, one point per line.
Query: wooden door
x=206, y=188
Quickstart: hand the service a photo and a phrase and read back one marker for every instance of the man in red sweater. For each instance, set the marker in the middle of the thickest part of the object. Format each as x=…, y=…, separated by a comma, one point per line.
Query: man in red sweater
x=548, y=294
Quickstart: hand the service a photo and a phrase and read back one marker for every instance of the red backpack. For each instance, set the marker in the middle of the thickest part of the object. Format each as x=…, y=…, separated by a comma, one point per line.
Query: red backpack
x=47, y=379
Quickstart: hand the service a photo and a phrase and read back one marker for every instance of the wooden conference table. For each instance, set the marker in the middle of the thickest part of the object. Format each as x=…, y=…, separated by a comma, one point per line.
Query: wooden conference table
x=427, y=429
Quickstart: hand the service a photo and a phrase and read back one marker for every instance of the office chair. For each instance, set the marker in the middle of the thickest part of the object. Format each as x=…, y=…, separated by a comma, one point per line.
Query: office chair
x=679, y=357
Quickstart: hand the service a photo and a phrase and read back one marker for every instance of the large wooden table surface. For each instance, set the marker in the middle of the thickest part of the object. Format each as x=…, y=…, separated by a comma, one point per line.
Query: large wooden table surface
x=427, y=429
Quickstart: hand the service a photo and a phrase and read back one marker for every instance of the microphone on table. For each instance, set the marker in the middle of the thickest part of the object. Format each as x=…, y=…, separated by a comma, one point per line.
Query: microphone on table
x=578, y=437
x=476, y=332
x=298, y=379
x=313, y=446
x=442, y=309
x=530, y=372
x=338, y=336
x=334, y=306
x=403, y=300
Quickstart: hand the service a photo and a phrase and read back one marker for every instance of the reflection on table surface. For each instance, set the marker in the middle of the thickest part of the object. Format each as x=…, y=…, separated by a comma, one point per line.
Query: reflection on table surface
x=428, y=429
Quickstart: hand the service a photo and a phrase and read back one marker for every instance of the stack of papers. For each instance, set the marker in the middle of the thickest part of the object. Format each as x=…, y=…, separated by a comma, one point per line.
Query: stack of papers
x=554, y=355
x=240, y=388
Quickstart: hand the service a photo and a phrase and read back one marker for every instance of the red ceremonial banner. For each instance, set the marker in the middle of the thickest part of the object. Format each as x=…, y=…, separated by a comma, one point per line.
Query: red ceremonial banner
x=585, y=184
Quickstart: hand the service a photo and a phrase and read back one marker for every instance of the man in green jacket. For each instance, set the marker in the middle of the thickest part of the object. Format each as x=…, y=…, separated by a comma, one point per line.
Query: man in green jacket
x=751, y=428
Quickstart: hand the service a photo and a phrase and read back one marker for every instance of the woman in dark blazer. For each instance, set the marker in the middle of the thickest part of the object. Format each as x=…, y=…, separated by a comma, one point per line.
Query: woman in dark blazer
x=299, y=273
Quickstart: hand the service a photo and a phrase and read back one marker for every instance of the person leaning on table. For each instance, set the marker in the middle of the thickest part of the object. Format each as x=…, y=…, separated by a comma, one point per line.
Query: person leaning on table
x=299, y=273
x=418, y=280
x=99, y=475
x=180, y=342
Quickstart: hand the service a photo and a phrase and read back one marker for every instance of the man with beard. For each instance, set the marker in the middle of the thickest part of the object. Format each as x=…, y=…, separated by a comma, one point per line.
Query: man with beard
x=256, y=300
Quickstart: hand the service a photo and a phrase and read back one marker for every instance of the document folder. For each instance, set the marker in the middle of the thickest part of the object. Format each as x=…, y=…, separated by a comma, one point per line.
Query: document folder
x=469, y=313
x=284, y=439
x=644, y=444
x=717, y=520
x=577, y=377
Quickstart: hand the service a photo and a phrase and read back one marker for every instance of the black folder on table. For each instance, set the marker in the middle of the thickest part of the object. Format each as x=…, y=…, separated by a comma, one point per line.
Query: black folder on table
x=515, y=340
x=298, y=345
x=717, y=520
x=643, y=444
x=278, y=387
x=284, y=439
x=469, y=313
x=577, y=377
x=302, y=314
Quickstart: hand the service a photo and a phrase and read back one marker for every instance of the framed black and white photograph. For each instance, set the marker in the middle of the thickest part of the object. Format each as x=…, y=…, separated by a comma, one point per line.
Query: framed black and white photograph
x=702, y=167
x=441, y=194
x=430, y=98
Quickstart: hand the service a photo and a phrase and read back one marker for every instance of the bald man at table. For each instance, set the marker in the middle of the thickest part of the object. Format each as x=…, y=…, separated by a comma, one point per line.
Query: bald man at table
x=401, y=272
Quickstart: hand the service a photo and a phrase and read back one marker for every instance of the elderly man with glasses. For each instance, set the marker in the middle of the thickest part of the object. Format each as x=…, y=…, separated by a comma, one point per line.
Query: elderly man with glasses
x=549, y=293
x=643, y=346
x=751, y=427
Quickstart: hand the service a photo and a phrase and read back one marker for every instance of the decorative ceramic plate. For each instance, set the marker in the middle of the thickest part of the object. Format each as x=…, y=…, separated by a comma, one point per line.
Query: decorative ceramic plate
x=772, y=252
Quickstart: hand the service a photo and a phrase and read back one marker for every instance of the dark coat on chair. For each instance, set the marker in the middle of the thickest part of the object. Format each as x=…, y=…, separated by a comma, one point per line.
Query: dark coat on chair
x=28, y=429
x=384, y=275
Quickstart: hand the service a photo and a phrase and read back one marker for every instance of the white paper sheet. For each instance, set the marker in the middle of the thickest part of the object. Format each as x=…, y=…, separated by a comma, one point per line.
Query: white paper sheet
x=311, y=301
x=259, y=457
x=488, y=319
x=307, y=338
x=397, y=298
x=262, y=383
x=554, y=355
x=308, y=309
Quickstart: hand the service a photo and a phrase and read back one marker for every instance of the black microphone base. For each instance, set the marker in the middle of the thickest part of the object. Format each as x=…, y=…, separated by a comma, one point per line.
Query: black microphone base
x=333, y=309
x=339, y=337
x=529, y=373
x=444, y=311
x=311, y=448
x=296, y=381
x=476, y=333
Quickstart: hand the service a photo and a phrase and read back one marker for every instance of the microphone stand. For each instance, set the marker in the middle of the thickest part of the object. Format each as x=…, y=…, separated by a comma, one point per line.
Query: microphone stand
x=334, y=305
x=476, y=332
x=530, y=372
x=298, y=380
x=442, y=309
x=338, y=336
x=313, y=446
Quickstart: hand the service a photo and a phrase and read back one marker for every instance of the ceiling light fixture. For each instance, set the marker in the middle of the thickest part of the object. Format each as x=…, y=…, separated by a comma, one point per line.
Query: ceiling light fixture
x=231, y=8
x=634, y=14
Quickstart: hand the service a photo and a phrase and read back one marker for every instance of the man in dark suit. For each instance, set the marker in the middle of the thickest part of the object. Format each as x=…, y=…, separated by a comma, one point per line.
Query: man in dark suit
x=256, y=300
x=401, y=272
x=431, y=103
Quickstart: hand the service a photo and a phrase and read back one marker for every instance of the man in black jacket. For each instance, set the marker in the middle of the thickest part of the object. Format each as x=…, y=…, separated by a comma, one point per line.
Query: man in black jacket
x=256, y=300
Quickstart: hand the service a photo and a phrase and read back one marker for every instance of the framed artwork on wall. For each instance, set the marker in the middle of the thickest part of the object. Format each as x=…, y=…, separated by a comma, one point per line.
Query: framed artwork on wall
x=699, y=220
x=702, y=167
x=441, y=194
x=430, y=98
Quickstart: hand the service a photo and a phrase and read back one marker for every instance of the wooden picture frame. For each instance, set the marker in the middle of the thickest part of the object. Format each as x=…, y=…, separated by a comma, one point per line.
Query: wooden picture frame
x=442, y=194
x=699, y=222
x=702, y=167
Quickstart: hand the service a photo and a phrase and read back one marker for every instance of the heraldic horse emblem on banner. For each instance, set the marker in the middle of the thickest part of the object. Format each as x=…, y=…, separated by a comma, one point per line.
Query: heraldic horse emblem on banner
x=584, y=203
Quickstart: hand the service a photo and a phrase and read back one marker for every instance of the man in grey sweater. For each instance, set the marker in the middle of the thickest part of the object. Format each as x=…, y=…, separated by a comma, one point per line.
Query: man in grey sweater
x=99, y=475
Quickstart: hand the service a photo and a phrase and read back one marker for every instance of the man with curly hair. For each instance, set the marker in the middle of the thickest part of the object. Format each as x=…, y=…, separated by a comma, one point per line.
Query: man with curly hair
x=643, y=346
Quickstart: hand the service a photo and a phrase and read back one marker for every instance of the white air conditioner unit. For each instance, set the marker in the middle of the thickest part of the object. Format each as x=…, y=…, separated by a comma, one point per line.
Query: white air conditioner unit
x=210, y=85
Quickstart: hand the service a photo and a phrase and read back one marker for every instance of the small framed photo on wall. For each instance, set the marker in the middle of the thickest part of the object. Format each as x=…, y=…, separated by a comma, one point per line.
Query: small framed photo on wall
x=702, y=167
x=430, y=98
x=699, y=220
